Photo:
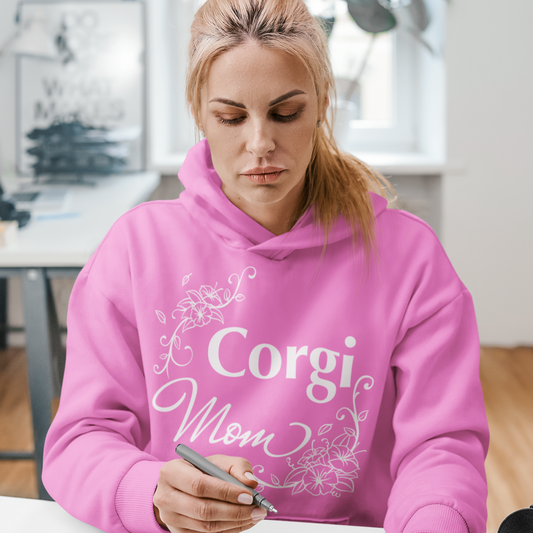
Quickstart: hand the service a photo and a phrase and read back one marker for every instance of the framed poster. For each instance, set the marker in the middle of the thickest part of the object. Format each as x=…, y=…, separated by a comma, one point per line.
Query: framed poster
x=83, y=111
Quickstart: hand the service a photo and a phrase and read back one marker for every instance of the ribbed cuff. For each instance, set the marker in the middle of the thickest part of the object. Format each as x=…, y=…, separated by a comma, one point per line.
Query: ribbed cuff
x=135, y=496
x=436, y=518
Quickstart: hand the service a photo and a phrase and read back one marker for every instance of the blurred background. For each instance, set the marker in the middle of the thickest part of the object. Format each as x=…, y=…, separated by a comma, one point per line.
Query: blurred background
x=437, y=95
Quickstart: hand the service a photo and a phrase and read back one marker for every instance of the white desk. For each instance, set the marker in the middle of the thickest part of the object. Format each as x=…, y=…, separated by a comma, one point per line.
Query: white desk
x=19, y=515
x=69, y=241
x=59, y=247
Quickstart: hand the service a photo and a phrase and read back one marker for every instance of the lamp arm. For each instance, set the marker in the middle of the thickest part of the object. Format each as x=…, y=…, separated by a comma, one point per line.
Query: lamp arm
x=9, y=41
x=4, y=49
x=362, y=67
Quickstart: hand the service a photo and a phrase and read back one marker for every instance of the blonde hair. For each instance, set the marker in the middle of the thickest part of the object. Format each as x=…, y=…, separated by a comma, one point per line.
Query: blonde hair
x=336, y=182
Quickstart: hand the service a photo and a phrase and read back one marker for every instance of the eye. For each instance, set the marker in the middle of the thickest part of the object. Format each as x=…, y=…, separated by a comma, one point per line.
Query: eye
x=276, y=116
x=286, y=118
x=232, y=121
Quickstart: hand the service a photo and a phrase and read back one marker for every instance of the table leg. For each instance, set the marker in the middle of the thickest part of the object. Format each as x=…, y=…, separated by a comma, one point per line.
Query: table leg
x=58, y=352
x=3, y=313
x=40, y=344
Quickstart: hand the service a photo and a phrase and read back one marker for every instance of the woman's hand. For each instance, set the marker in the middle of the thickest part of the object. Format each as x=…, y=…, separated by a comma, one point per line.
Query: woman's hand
x=186, y=499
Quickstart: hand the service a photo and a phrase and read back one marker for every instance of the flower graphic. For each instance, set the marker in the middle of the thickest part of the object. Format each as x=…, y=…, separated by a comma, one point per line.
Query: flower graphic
x=320, y=479
x=315, y=456
x=210, y=295
x=343, y=459
x=332, y=467
x=198, y=309
x=347, y=439
x=200, y=314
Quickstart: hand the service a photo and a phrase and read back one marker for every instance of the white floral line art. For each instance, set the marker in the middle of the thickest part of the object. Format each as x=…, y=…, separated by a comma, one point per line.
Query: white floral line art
x=329, y=468
x=197, y=310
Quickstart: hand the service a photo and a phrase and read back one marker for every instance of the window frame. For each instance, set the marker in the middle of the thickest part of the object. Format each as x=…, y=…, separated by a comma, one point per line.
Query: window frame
x=415, y=141
x=399, y=136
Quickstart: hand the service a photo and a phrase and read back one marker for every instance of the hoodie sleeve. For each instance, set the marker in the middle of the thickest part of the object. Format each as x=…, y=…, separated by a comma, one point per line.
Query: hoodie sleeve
x=95, y=465
x=439, y=422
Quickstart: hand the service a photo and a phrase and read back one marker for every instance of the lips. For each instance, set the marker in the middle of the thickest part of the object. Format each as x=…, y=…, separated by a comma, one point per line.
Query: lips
x=263, y=175
x=263, y=170
x=263, y=178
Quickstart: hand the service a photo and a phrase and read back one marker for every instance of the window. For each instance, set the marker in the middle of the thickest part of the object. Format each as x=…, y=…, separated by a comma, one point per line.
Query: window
x=363, y=63
x=397, y=108
x=369, y=84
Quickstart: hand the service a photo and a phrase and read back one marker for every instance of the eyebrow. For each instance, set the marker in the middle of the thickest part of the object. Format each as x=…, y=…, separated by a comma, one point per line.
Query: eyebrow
x=274, y=102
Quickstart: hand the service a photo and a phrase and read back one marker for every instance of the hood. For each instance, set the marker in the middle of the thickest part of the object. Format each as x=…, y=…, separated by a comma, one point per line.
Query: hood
x=204, y=200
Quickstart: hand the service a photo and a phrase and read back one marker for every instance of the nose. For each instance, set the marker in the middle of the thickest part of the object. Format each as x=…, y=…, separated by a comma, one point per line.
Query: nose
x=260, y=138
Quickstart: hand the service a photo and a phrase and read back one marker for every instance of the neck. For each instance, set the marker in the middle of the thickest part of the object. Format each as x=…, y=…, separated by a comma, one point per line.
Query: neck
x=275, y=217
x=275, y=222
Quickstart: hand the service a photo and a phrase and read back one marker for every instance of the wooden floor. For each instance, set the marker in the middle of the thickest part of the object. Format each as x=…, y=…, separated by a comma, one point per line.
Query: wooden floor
x=506, y=376
x=507, y=379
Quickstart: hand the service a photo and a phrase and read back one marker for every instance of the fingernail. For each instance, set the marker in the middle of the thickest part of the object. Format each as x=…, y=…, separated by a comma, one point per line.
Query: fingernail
x=245, y=498
x=258, y=514
x=250, y=476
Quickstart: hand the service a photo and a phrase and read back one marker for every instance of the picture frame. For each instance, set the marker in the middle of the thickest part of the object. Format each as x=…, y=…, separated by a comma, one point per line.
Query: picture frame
x=82, y=112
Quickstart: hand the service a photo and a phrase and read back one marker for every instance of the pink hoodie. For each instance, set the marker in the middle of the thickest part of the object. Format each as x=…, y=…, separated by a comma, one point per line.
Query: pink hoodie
x=357, y=400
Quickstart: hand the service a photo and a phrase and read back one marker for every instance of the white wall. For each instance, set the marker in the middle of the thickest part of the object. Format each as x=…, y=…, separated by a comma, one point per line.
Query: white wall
x=487, y=221
x=7, y=90
x=487, y=205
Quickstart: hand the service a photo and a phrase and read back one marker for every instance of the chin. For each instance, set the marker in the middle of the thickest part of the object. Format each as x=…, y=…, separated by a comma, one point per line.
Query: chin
x=264, y=197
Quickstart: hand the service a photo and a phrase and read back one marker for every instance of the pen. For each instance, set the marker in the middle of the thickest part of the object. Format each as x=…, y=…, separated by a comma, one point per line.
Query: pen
x=209, y=468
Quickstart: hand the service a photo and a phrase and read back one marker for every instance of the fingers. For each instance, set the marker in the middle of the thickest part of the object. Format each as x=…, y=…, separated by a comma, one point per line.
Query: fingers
x=189, y=500
x=179, y=522
x=238, y=467
x=206, y=509
x=184, y=524
x=187, y=479
x=233, y=530
x=185, y=512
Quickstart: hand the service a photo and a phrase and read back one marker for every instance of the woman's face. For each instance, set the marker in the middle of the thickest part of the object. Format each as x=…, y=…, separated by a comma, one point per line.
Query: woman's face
x=258, y=112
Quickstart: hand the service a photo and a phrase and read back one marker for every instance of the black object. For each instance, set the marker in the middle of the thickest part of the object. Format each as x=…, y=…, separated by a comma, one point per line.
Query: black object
x=371, y=16
x=377, y=16
x=8, y=211
x=520, y=521
x=3, y=313
x=71, y=147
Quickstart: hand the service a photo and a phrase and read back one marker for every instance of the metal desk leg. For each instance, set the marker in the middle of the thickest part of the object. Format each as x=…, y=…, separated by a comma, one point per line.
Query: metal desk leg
x=40, y=344
x=3, y=313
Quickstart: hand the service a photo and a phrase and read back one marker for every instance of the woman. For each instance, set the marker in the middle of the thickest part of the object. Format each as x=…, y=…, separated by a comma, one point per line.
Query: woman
x=277, y=318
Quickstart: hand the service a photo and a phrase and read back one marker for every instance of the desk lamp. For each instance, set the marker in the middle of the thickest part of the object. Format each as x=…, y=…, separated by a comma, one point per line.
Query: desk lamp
x=33, y=37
